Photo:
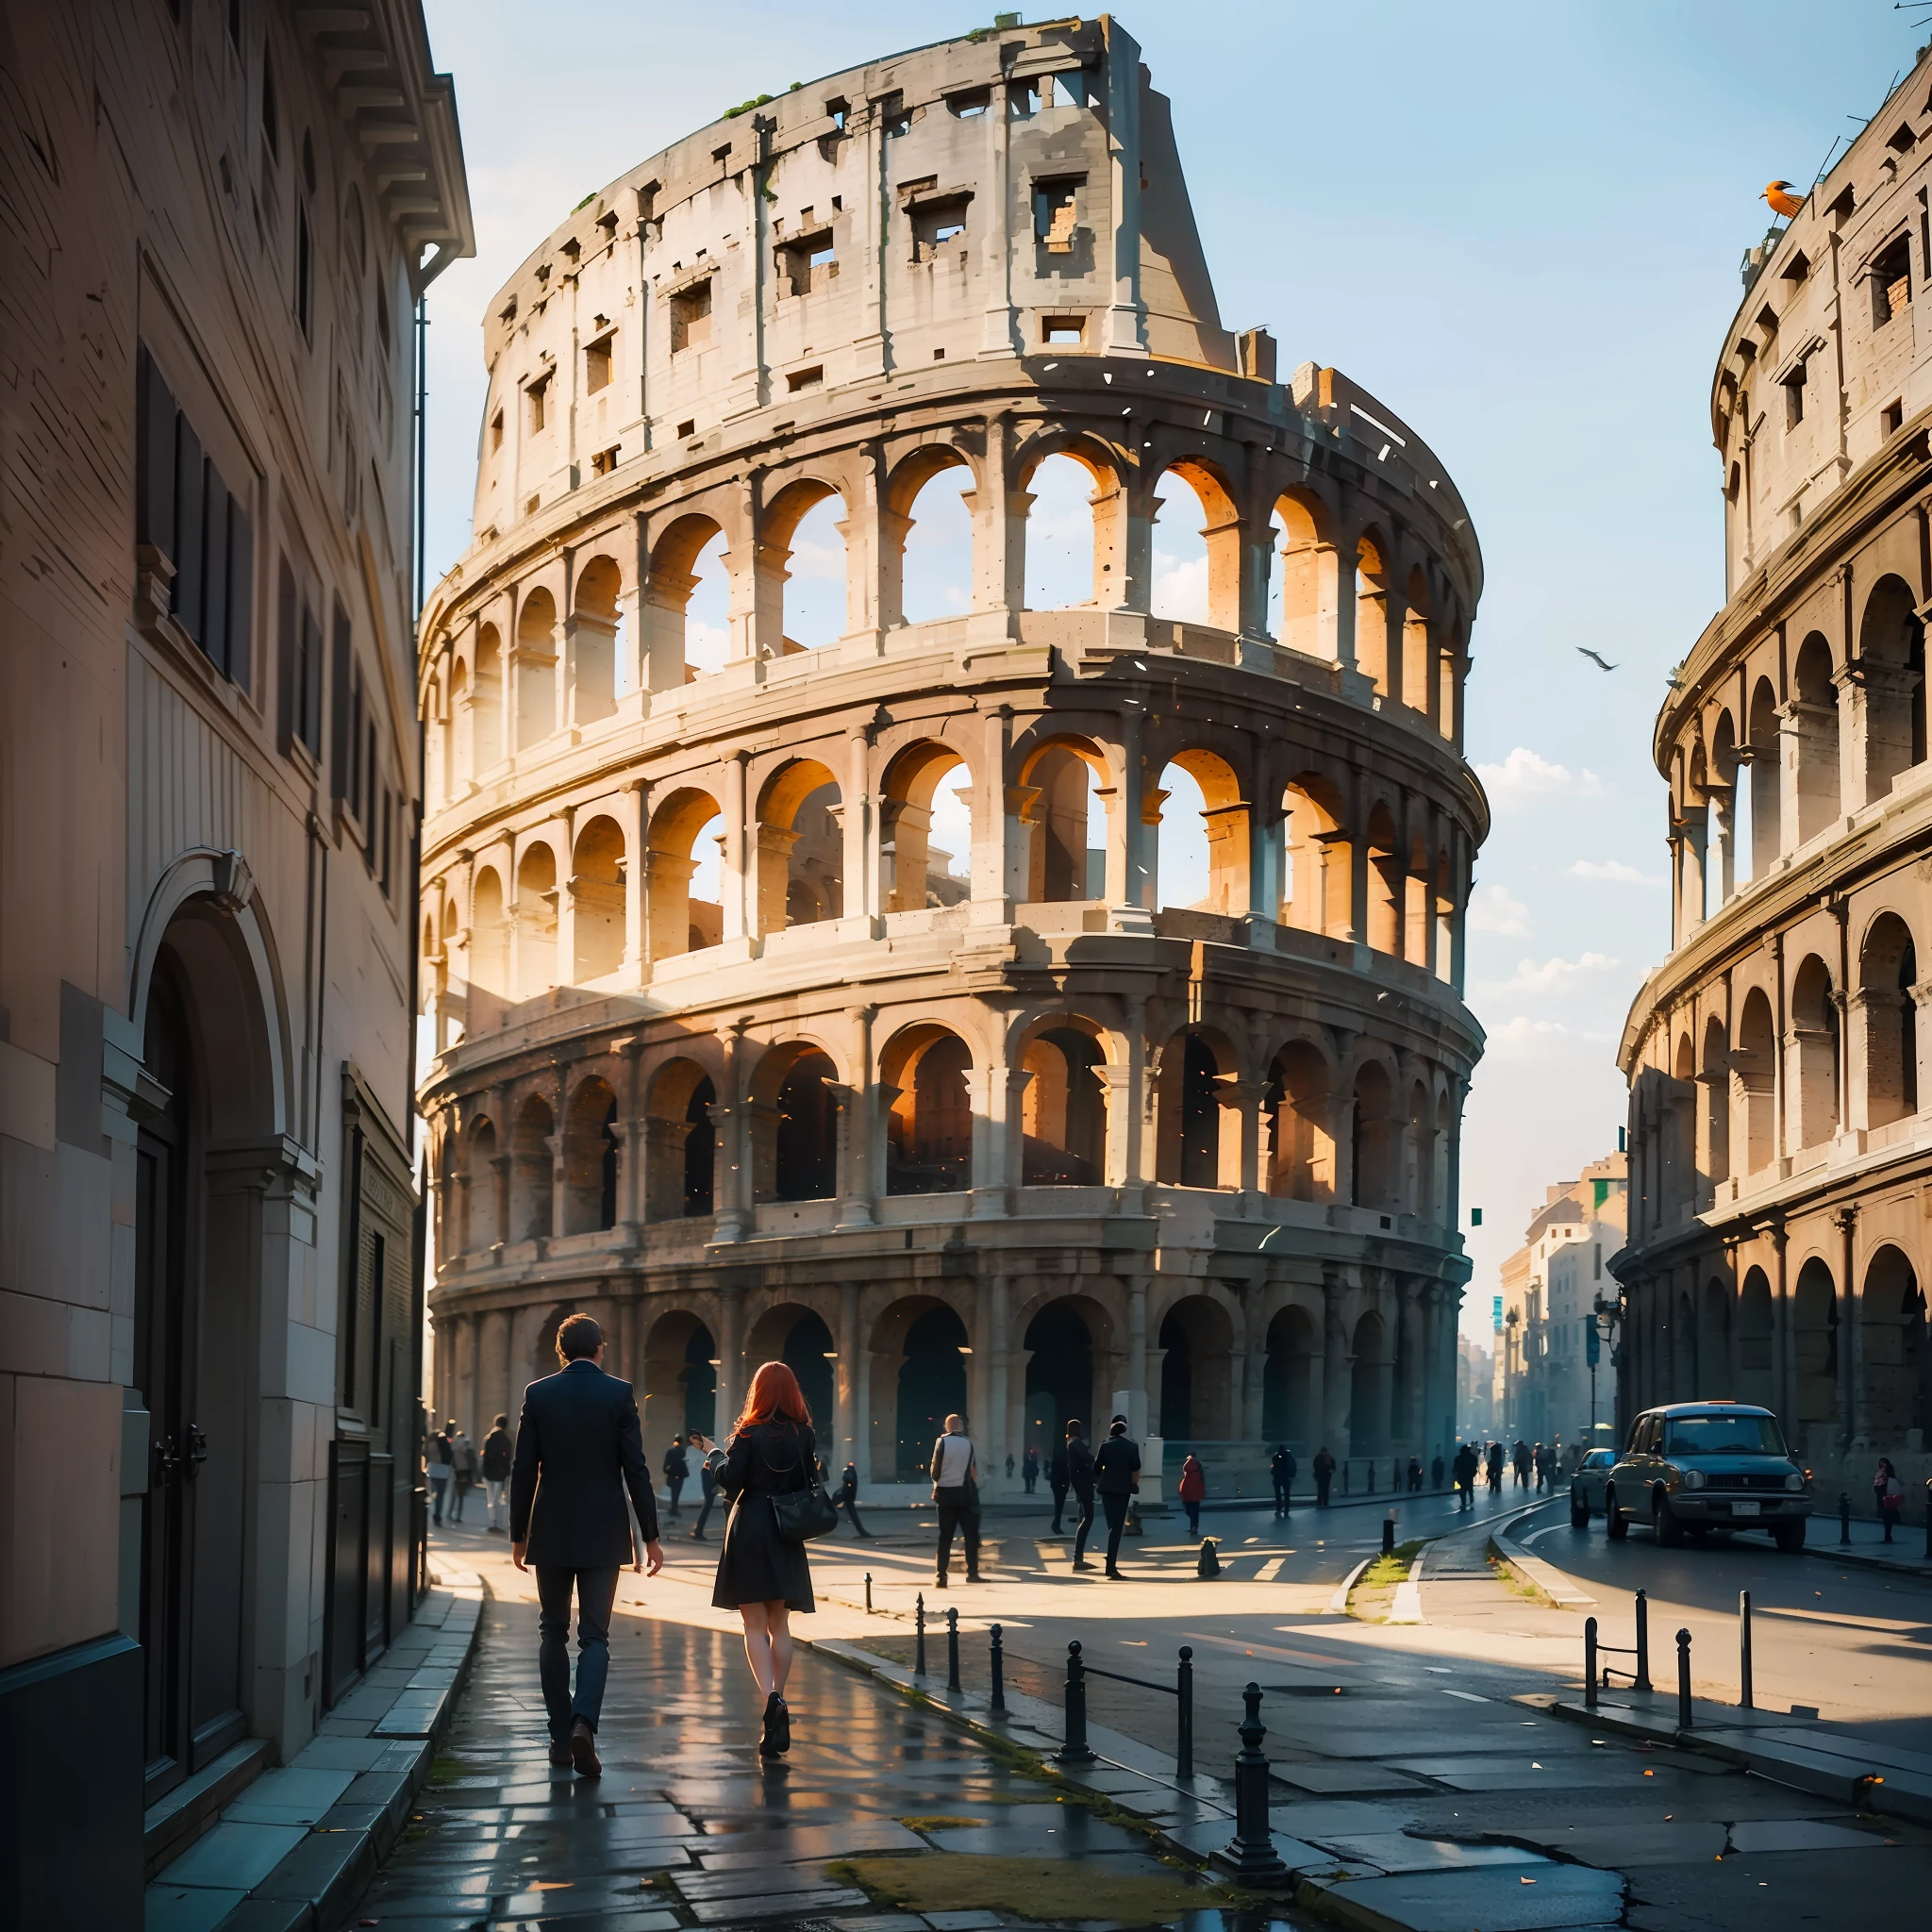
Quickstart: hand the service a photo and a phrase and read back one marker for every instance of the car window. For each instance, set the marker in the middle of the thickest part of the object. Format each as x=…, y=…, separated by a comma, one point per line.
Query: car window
x=1724, y=1435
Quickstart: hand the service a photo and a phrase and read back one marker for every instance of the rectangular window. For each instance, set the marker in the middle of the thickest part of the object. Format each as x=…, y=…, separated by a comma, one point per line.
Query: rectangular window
x=1062, y=331
x=342, y=723
x=1057, y=213
x=597, y=364
x=1891, y=418
x=1794, y=397
x=154, y=458
x=604, y=460
x=387, y=836
x=691, y=317
x=1891, y=281
x=937, y=223
x=806, y=263
x=813, y=377
x=496, y=431
x=538, y=392
x=191, y=480
x=970, y=105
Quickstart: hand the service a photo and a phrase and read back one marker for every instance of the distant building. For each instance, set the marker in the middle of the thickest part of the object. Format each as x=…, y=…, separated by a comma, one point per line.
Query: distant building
x=1475, y=1388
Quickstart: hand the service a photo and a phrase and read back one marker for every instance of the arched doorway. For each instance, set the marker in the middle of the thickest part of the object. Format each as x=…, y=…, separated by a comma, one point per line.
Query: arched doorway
x=1288, y=1379
x=1196, y=1371
x=932, y=1386
x=680, y=1383
x=798, y=1337
x=1371, y=1386
x=1059, y=1376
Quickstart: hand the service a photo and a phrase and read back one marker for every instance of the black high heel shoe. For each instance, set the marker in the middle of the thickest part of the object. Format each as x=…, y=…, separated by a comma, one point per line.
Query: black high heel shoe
x=781, y=1724
x=775, y=1728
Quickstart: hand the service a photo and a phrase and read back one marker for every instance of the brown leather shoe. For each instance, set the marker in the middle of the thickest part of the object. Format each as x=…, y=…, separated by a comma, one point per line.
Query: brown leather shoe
x=560, y=1753
x=583, y=1750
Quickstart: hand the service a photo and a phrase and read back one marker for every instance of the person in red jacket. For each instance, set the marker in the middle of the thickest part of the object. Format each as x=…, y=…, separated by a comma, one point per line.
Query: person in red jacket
x=1191, y=1490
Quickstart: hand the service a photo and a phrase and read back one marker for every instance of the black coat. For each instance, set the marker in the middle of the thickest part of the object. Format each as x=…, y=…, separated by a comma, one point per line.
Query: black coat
x=1116, y=1463
x=579, y=1447
x=496, y=1455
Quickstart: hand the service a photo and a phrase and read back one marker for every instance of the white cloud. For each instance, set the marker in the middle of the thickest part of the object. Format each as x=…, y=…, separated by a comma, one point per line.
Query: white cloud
x=1551, y=975
x=1498, y=910
x=1180, y=587
x=1524, y=1038
x=1613, y=870
x=1525, y=776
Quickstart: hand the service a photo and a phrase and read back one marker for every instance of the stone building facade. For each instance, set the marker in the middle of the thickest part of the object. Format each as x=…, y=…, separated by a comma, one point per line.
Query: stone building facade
x=1018, y=1135
x=1780, y=1089
x=219, y=218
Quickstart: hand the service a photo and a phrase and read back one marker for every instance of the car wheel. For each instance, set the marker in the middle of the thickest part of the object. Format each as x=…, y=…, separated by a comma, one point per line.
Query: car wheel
x=1616, y=1524
x=1579, y=1508
x=1665, y=1523
x=1790, y=1536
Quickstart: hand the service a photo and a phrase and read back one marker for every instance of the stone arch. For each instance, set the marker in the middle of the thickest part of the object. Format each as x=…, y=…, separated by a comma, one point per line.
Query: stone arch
x=1685, y=1182
x=597, y=899
x=1217, y=602
x=1891, y=669
x=593, y=632
x=1299, y=1105
x=1419, y=1178
x=590, y=1158
x=536, y=667
x=664, y=608
x=678, y=922
x=1063, y=1110
x=1714, y=1343
x=1042, y=574
x=532, y=1187
x=1197, y=1372
x=918, y=1353
x=1418, y=643
x=459, y=755
x=1888, y=970
x=1292, y=1378
x=794, y=1124
x=1767, y=838
x=1812, y=1092
x=1068, y=1338
x=922, y=514
x=926, y=1073
x=1319, y=889
x=1218, y=854
x=482, y=1228
x=1372, y=1386
x=1371, y=1165
x=536, y=919
x=1814, y=724
x=808, y=510
x=913, y=782
x=1388, y=891
x=1892, y=1349
x=801, y=860
x=1755, y=1339
x=1754, y=1064
x=680, y=1141
x=1197, y=1117
x=486, y=705
x=488, y=933
x=1067, y=777
x=1814, y=1344
x=680, y=1382
x=1715, y=1079
x=1371, y=595
x=1310, y=573
x=799, y=1336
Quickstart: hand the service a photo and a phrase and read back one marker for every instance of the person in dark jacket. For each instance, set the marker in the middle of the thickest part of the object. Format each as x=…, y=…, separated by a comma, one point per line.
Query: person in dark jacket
x=710, y=1464
x=847, y=1497
x=761, y=1575
x=1079, y=1459
x=1281, y=1472
x=1415, y=1475
x=1116, y=1476
x=676, y=1473
x=437, y=1461
x=579, y=1448
x=1466, y=1466
x=499, y=1445
x=1029, y=1469
x=1324, y=1474
x=1059, y=1477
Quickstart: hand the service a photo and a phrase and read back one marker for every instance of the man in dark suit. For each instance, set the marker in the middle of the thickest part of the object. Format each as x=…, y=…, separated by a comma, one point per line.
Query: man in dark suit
x=579, y=1447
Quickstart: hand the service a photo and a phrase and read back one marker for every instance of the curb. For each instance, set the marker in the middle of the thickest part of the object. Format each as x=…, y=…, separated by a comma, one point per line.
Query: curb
x=1553, y=1582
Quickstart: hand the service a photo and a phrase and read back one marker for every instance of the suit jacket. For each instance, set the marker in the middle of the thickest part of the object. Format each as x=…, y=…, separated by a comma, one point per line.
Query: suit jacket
x=579, y=1447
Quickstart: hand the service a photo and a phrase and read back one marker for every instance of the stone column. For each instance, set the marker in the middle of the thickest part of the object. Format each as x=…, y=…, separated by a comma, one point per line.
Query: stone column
x=858, y=1104
x=730, y=1362
x=734, y=885
x=1407, y=1424
x=858, y=846
x=1335, y=1364
x=997, y=849
x=1142, y=1423
x=999, y=519
x=849, y=1377
x=635, y=871
x=731, y=1181
x=998, y=1420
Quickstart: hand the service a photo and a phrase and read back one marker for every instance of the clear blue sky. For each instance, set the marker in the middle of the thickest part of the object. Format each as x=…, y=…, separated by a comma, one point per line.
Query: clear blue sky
x=1520, y=224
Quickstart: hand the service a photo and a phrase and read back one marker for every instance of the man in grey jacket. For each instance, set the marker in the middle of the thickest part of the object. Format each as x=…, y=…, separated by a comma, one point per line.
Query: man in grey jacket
x=955, y=1489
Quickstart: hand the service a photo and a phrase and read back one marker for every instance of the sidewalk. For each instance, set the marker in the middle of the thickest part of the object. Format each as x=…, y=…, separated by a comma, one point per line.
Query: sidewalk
x=292, y=1851
x=1868, y=1548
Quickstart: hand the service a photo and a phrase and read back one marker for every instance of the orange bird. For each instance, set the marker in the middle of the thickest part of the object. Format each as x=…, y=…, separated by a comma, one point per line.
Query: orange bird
x=1784, y=199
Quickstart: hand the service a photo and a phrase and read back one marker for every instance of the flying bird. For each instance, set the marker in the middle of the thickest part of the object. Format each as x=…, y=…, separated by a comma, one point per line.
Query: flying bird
x=1784, y=199
x=1601, y=663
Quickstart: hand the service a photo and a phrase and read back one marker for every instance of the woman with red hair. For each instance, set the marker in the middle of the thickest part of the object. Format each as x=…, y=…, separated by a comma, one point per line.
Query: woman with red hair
x=761, y=1575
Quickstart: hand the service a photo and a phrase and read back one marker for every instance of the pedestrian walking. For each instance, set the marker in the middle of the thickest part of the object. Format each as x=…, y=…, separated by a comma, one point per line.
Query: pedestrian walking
x=1436, y=1473
x=1324, y=1474
x=1281, y=1472
x=847, y=1498
x=710, y=1466
x=1059, y=1477
x=1890, y=1494
x=1192, y=1489
x=465, y=1467
x=499, y=1445
x=1116, y=1476
x=579, y=1449
x=1540, y=1455
x=1415, y=1476
x=1009, y=1467
x=1079, y=1464
x=676, y=1473
x=1520, y=1458
x=1465, y=1477
x=955, y=1489
x=1496, y=1469
x=1029, y=1468
x=763, y=1575
x=436, y=1455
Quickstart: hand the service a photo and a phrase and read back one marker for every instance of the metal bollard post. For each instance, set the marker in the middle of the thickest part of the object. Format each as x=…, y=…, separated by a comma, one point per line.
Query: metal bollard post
x=868, y=1592
x=1389, y=1534
x=1684, y=1713
x=996, y=1658
x=1250, y=1853
x=1641, y=1680
x=951, y=1648
x=919, y=1639
x=1744, y=1702
x=1844, y=1518
x=1075, y=1749
x=1184, y=1740
x=1589, y=1663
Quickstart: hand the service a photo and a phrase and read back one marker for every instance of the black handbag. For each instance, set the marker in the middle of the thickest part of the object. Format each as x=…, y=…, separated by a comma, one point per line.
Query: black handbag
x=802, y=1514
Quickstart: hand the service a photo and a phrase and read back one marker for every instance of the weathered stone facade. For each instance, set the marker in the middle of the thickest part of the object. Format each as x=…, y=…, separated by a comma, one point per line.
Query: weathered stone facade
x=1022, y=1138
x=1781, y=1093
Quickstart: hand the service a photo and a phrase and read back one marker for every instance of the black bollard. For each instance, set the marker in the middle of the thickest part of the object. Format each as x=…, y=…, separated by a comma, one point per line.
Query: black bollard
x=1684, y=1713
x=1184, y=1738
x=1250, y=1853
x=951, y=1648
x=996, y=1658
x=1075, y=1749
x=919, y=1639
x=1589, y=1663
x=1389, y=1534
x=1641, y=1680
x=1845, y=1516
x=868, y=1592
x=1744, y=1650
x=1209, y=1562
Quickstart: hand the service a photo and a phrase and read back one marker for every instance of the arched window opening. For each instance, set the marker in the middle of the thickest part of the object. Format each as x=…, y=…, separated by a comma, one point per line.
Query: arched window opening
x=1418, y=1154
x=1289, y=1381
x=1714, y=1343
x=926, y=829
x=596, y=891
x=1202, y=847
x=1754, y=1066
x=1387, y=888
x=1063, y=1114
x=1180, y=589
x=797, y=1130
x=1304, y=590
x=1814, y=1071
x=932, y=1386
x=809, y=1351
x=1887, y=970
x=1372, y=1129
x=700, y=1150
x=812, y=573
x=1059, y=1376
x=1316, y=889
x=684, y=610
x=1442, y=1211
x=1755, y=1339
x=1196, y=1373
x=1813, y=723
x=1299, y=1111
x=1060, y=535
x=801, y=860
x=1372, y=611
x=1892, y=667
x=536, y=668
x=1443, y=906
x=1721, y=867
x=459, y=760
x=1685, y=1180
x=435, y=739
x=479, y=1196
x=535, y=922
x=938, y=571
x=594, y=659
x=1418, y=646
x=1715, y=1081
x=532, y=1186
x=1372, y=1388
x=590, y=1159
x=1189, y=1093
x=929, y=1128
x=486, y=707
x=679, y=1141
x=1766, y=841
x=1814, y=1345
x=489, y=934
x=1066, y=824
x=683, y=908
x=1891, y=1314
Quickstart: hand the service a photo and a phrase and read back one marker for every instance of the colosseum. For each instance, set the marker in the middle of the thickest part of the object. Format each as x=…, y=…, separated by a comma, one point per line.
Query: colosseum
x=1015, y=1001
x=1780, y=1079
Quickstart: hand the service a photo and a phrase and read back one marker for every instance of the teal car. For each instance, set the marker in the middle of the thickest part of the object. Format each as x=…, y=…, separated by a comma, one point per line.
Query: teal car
x=1699, y=1466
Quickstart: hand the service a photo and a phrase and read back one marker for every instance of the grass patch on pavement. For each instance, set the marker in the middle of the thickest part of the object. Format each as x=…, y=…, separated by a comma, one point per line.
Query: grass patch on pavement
x=1374, y=1595
x=1513, y=1580
x=939, y=1821
x=1039, y=1889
